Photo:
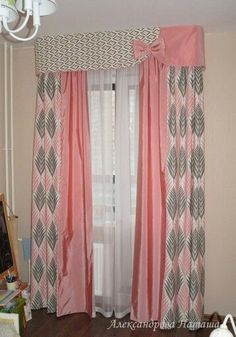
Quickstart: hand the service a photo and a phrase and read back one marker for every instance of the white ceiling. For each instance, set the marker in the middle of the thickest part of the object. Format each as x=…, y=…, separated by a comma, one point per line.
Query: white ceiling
x=74, y=16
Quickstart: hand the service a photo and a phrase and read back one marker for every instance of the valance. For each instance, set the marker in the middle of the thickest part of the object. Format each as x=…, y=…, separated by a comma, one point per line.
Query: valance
x=85, y=51
x=183, y=46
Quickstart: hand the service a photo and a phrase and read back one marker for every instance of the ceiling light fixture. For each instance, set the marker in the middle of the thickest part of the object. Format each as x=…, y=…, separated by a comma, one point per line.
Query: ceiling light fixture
x=9, y=10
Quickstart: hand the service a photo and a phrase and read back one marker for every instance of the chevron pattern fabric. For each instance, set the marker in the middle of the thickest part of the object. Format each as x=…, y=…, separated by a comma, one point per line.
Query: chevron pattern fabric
x=84, y=51
x=183, y=288
x=46, y=177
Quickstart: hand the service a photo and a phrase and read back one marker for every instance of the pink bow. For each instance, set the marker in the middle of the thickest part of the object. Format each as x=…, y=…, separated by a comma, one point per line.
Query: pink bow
x=157, y=49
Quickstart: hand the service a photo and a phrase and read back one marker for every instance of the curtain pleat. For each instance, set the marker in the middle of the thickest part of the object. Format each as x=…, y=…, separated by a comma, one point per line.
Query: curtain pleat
x=150, y=220
x=74, y=255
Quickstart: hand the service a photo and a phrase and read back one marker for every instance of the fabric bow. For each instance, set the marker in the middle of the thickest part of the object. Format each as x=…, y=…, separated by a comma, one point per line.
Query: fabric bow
x=157, y=49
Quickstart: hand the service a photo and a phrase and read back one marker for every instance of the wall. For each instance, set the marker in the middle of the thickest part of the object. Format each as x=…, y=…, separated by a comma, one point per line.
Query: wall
x=24, y=93
x=2, y=153
x=220, y=111
x=220, y=108
x=6, y=155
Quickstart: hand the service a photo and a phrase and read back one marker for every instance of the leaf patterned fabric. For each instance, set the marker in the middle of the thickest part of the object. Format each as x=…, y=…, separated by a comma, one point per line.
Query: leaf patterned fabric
x=183, y=288
x=46, y=177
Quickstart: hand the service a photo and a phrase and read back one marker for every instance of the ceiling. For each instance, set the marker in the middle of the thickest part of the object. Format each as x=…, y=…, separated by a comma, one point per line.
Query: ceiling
x=74, y=16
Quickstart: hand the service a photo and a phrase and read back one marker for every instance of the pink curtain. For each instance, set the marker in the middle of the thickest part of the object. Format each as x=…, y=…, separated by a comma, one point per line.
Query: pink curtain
x=168, y=275
x=74, y=255
x=150, y=216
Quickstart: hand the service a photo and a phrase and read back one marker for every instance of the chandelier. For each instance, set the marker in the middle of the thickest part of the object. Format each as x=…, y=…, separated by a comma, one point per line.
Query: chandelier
x=10, y=9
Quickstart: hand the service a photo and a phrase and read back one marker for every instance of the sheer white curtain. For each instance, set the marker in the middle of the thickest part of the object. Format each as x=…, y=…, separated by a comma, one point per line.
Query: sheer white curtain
x=113, y=103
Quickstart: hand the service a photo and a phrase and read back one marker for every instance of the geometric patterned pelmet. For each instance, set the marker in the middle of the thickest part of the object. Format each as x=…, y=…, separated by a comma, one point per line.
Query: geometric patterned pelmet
x=90, y=51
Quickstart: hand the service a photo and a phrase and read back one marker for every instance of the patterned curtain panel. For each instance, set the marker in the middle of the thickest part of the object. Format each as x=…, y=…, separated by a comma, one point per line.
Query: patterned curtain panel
x=46, y=176
x=183, y=289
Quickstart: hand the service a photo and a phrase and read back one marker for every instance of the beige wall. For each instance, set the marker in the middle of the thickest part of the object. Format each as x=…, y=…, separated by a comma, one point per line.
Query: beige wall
x=24, y=108
x=220, y=111
x=5, y=105
x=2, y=153
x=220, y=107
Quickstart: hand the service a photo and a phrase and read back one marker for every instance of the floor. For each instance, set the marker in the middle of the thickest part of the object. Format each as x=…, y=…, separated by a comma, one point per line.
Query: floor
x=80, y=325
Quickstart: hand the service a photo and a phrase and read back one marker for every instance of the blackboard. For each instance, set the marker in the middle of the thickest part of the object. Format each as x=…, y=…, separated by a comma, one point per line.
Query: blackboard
x=6, y=255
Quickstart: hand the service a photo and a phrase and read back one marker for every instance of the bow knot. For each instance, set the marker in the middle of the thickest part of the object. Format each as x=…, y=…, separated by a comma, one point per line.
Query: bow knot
x=157, y=49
